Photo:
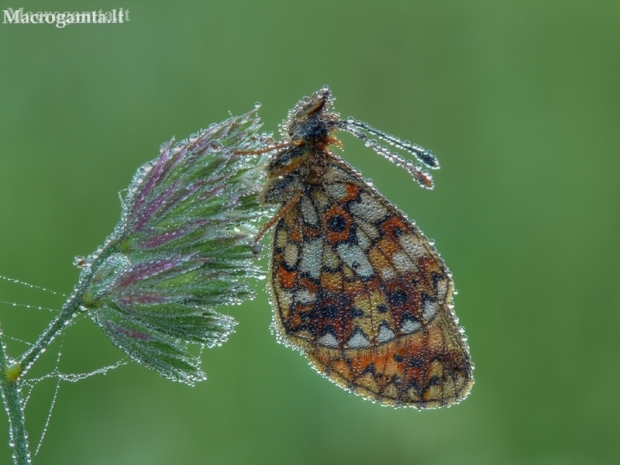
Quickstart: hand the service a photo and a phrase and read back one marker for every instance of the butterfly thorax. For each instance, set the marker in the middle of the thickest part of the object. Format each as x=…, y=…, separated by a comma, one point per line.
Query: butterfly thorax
x=308, y=134
x=292, y=171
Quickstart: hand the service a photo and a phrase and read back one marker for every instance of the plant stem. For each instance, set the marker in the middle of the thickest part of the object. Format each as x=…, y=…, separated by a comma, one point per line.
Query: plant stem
x=13, y=371
x=9, y=385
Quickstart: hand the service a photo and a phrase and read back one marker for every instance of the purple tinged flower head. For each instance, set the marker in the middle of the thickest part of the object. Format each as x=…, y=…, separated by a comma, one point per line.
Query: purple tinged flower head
x=184, y=245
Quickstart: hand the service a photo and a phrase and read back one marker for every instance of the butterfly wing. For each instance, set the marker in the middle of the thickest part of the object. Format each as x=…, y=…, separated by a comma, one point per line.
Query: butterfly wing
x=361, y=292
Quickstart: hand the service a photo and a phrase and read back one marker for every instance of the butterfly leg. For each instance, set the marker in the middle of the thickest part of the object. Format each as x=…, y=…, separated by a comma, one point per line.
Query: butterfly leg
x=286, y=207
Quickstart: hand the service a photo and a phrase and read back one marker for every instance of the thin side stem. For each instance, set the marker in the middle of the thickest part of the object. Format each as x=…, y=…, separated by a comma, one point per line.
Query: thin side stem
x=69, y=310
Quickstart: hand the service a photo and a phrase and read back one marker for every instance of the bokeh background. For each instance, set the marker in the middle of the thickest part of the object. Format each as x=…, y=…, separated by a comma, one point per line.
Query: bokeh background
x=519, y=100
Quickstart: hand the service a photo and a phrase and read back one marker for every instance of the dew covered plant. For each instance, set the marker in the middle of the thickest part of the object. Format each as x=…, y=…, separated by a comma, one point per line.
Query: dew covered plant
x=183, y=247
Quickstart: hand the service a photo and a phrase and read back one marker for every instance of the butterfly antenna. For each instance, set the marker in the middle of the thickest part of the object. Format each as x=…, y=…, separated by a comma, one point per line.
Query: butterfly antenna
x=424, y=156
x=423, y=178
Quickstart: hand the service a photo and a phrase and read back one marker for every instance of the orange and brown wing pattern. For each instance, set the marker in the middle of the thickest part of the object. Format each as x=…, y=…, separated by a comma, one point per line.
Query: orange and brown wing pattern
x=361, y=292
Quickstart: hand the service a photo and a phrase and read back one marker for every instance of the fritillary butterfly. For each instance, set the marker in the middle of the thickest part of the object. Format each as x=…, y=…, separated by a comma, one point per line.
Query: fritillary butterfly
x=357, y=287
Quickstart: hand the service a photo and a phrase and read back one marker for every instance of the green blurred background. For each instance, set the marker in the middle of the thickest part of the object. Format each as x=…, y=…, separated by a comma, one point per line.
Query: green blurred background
x=519, y=100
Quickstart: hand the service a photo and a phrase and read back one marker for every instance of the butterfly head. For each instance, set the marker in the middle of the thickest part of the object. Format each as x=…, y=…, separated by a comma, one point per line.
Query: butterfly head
x=310, y=120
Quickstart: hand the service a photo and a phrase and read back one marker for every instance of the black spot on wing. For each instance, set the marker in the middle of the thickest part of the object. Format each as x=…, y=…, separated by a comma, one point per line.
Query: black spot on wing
x=337, y=224
x=398, y=297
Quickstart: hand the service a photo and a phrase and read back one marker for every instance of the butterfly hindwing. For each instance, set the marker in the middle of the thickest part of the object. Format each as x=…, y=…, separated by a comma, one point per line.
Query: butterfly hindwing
x=361, y=292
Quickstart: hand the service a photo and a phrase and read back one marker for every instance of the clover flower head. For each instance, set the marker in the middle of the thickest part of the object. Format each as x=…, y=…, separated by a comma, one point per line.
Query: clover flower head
x=184, y=246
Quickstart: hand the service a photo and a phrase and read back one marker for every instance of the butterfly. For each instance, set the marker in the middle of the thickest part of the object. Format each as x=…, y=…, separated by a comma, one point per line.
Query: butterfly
x=357, y=287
